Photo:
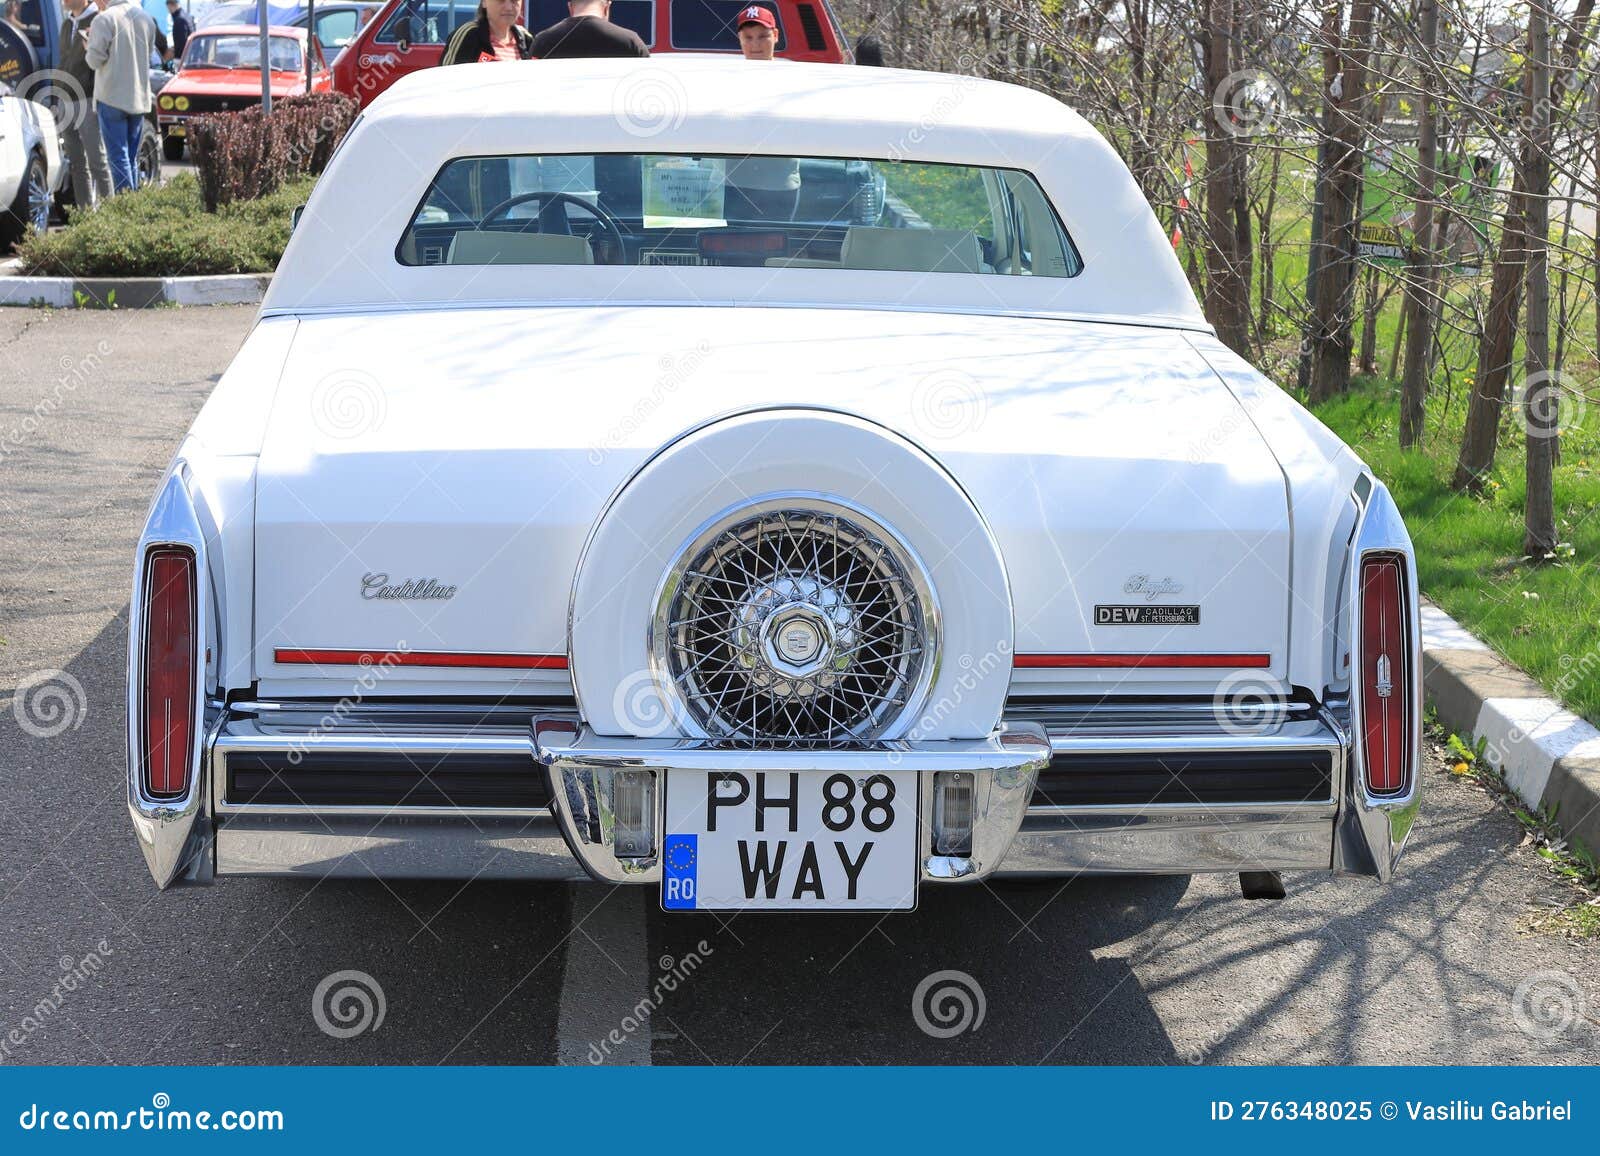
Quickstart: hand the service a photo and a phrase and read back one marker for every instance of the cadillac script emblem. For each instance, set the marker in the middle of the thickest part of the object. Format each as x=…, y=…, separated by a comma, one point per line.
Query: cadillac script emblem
x=411, y=590
x=1151, y=588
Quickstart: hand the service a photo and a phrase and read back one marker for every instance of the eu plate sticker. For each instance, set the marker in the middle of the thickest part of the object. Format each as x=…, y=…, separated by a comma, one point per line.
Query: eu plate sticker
x=678, y=872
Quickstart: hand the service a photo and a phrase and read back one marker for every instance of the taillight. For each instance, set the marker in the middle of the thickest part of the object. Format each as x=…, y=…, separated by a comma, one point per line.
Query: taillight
x=1384, y=674
x=169, y=669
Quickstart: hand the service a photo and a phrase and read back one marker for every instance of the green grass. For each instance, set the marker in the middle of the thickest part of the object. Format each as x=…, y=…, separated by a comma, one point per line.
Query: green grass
x=1542, y=615
x=164, y=232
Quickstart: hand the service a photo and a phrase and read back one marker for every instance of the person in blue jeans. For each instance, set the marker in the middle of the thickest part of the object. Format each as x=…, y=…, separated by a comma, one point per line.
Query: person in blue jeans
x=120, y=41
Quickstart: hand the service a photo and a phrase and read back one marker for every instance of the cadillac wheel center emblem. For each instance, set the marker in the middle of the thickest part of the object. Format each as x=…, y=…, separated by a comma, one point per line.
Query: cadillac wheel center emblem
x=798, y=640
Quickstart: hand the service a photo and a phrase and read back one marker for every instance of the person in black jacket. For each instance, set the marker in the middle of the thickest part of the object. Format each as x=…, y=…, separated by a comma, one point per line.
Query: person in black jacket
x=588, y=32
x=182, y=28
x=494, y=35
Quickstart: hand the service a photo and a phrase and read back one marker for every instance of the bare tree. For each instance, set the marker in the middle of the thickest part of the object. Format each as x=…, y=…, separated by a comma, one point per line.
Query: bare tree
x=1540, y=400
x=1345, y=52
x=1420, y=279
x=1495, y=349
x=1228, y=240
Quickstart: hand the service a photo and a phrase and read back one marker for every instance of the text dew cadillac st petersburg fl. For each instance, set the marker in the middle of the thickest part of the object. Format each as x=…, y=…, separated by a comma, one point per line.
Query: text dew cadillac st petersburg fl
x=783, y=488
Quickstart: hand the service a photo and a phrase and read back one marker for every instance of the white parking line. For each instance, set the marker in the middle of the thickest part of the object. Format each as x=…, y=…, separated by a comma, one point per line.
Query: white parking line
x=605, y=978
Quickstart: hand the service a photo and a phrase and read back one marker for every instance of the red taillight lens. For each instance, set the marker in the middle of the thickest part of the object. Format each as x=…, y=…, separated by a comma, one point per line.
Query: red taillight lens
x=1385, y=674
x=169, y=670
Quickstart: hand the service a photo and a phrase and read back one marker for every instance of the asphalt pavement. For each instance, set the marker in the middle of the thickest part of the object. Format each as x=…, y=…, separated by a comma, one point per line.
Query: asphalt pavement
x=97, y=966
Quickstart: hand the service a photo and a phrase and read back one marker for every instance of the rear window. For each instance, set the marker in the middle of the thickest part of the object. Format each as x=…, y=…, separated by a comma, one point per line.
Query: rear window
x=740, y=210
x=427, y=21
x=712, y=25
x=638, y=16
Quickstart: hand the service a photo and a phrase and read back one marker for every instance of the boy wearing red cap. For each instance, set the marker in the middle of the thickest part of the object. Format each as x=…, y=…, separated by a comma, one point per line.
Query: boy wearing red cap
x=758, y=33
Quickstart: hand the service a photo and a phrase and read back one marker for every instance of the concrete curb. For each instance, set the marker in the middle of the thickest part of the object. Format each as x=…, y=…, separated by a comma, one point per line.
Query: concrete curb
x=135, y=292
x=1549, y=755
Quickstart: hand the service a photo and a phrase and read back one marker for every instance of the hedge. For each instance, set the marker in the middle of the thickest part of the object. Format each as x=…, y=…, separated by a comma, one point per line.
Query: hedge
x=240, y=156
x=164, y=231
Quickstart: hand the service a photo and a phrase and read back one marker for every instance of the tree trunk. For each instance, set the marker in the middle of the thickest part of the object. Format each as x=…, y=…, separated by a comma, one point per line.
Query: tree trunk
x=1496, y=348
x=1496, y=345
x=1420, y=271
x=1369, y=320
x=1345, y=55
x=1267, y=248
x=1227, y=290
x=1541, y=399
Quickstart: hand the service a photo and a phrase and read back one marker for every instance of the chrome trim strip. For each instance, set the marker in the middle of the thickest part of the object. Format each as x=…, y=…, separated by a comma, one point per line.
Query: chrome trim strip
x=240, y=735
x=377, y=308
x=1193, y=841
x=396, y=847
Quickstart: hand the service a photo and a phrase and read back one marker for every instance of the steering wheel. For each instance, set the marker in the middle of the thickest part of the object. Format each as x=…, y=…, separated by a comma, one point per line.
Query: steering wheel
x=550, y=201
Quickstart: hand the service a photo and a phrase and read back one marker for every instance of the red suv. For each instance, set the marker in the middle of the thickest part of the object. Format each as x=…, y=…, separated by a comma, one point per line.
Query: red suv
x=407, y=35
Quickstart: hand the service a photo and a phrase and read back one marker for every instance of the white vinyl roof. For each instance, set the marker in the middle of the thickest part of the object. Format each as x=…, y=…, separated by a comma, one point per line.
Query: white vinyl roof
x=342, y=255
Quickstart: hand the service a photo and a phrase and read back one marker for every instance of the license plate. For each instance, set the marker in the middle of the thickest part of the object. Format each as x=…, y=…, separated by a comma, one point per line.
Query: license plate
x=176, y=130
x=790, y=841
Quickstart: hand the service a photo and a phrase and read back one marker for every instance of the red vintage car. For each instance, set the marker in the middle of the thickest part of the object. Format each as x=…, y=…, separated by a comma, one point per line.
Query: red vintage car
x=408, y=35
x=221, y=72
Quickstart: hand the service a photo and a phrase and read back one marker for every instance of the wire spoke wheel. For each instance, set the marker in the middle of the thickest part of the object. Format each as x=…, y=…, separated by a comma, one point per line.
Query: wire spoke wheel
x=797, y=625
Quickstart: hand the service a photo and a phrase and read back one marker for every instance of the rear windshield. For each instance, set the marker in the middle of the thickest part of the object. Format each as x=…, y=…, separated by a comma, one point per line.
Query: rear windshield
x=772, y=211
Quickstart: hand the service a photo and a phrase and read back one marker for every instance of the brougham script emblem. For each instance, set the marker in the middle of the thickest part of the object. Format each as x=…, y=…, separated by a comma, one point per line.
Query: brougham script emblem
x=1151, y=588
x=412, y=589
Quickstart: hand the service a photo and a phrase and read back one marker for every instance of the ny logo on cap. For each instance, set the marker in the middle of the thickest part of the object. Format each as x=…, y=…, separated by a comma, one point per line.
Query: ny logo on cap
x=752, y=13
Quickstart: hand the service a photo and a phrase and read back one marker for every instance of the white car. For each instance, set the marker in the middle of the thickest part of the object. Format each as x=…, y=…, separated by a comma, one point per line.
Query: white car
x=611, y=497
x=30, y=167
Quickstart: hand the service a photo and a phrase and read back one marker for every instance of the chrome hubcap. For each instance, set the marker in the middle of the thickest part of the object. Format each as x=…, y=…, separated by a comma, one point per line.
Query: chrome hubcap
x=38, y=202
x=796, y=626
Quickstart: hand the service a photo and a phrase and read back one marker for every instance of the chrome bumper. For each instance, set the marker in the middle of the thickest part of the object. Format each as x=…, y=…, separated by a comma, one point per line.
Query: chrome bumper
x=470, y=792
x=585, y=769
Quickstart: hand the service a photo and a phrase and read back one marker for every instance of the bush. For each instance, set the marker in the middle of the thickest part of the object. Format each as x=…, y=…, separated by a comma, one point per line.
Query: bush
x=163, y=231
x=240, y=156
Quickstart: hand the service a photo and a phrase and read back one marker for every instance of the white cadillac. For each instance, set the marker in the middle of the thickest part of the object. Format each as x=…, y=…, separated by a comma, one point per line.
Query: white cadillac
x=782, y=486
